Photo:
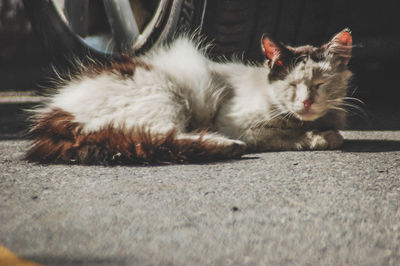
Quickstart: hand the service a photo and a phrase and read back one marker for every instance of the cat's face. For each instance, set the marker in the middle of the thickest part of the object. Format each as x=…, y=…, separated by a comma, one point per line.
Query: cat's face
x=309, y=81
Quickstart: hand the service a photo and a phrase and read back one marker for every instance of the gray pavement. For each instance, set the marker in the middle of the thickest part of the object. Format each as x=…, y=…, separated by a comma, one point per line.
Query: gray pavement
x=278, y=208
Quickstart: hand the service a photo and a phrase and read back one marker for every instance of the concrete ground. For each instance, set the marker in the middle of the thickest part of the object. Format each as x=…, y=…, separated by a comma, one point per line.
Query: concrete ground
x=278, y=208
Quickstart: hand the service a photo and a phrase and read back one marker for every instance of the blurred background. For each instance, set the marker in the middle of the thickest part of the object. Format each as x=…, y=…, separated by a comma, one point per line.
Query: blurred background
x=44, y=32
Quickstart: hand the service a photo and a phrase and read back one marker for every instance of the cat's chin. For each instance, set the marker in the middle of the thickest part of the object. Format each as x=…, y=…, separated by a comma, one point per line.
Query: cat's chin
x=308, y=116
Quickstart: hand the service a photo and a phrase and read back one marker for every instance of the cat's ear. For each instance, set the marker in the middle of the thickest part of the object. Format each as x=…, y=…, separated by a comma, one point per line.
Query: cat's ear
x=273, y=51
x=340, y=47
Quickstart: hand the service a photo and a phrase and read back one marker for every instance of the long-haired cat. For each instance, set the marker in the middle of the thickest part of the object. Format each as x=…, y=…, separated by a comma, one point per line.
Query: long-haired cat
x=175, y=105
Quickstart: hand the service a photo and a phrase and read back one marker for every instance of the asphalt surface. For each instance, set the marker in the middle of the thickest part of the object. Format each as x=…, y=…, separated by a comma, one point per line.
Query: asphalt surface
x=279, y=208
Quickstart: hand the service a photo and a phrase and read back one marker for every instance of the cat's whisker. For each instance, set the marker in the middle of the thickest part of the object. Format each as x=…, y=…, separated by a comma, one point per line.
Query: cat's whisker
x=271, y=119
x=291, y=115
x=353, y=99
x=347, y=100
x=354, y=106
x=288, y=115
x=348, y=111
x=273, y=114
x=362, y=115
x=354, y=91
x=339, y=109
x=276, y=115
x=350, y=108
x=344, y=103
x=348, y=105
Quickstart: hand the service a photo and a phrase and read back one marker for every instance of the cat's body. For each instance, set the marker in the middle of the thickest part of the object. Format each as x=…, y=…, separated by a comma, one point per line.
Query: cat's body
x=174, y=104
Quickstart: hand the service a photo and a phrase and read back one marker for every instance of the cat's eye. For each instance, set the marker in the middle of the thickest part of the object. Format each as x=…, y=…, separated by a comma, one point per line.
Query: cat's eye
x=318, y=85
x=293, y=84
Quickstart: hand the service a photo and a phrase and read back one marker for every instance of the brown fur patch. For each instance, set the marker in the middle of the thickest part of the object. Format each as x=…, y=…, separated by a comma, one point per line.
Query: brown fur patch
x=57, y=139
x=128, y=68
x=125, y=67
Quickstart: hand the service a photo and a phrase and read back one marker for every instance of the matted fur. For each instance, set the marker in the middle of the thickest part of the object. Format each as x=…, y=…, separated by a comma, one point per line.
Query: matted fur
x=60, y=140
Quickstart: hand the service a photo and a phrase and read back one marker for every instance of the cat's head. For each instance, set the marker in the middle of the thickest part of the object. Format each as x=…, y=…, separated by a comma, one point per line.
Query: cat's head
x=309, y=81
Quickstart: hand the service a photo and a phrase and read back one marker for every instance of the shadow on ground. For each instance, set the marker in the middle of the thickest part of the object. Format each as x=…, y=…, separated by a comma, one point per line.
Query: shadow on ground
x=370, y=145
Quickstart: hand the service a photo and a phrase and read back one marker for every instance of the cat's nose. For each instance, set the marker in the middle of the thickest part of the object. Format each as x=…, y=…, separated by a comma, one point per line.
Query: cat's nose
x=307, y=104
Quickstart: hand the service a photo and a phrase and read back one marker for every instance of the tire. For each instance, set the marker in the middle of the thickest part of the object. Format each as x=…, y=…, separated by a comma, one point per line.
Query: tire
x=236, y=26
x=230, y=26
x=60, y=39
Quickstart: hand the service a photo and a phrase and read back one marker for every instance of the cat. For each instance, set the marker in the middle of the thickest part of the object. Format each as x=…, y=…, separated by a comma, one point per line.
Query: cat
x=175, y=105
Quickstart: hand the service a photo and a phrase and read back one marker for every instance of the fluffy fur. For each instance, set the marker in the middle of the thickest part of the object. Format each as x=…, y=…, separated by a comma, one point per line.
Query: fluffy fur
x=175, y=105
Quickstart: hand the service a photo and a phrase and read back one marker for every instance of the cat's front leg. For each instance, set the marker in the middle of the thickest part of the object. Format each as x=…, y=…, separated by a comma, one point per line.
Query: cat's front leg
x=277, y=139
x=213, y=144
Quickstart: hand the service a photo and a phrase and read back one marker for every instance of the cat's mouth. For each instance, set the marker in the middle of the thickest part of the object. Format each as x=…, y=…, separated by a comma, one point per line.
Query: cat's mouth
x=308, y=115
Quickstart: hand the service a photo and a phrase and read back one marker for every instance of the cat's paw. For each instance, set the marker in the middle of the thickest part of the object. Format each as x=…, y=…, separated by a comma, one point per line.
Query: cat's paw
x=325, y=140
x=233, y=148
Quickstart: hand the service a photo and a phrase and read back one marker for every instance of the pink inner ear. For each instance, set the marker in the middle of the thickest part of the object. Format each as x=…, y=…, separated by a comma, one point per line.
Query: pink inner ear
x=271, y=51
x=344, y=38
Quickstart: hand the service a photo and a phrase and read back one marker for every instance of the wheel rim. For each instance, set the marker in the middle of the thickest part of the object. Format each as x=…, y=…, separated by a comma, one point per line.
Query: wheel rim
x=112, y=27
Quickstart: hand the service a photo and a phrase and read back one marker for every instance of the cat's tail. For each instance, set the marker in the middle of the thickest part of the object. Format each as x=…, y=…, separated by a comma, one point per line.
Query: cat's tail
x=58, y=139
